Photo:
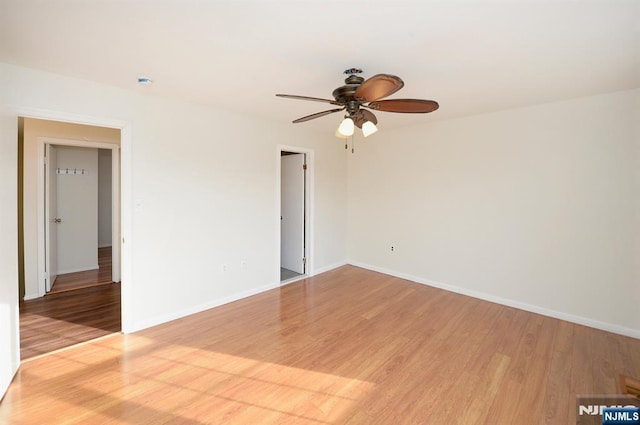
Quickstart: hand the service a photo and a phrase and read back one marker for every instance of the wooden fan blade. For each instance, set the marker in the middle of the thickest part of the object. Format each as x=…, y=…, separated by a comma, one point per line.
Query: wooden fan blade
x=362, y=116
x=314, y=99
x=378, y=86
x=368, y=116
x=408, y=106
x=317, y=115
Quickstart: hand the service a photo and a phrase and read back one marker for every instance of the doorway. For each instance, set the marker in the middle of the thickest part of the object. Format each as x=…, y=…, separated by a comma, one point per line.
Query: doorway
x=78, y=217
x=78, y=210
x=294, y=214
x=79, y=174
x=72, y=219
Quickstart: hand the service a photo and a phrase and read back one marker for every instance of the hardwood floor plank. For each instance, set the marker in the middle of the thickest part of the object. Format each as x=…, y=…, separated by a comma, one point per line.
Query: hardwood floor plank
x=349, y=346
x=554, y=411
x=81, y=306
x=87, y=278
x=67, y=318
x=582, y=377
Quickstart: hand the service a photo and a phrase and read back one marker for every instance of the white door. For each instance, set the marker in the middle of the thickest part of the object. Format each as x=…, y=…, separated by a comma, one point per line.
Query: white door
x=292, y=212
x=77, y=208
x=51, y=218
x=9, y=323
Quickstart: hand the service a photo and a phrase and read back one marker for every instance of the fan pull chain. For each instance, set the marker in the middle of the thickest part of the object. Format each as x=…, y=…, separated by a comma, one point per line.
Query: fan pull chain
x=346, y=144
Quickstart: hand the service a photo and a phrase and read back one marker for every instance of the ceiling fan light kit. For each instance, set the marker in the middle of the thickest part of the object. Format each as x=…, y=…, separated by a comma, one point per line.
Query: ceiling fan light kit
x=346, y=127
x=368, y=128
x=358, y=95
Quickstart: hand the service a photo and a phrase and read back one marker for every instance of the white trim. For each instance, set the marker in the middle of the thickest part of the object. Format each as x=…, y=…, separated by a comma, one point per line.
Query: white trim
x=40, y=227
x=164, y=318
x=292, y=280
x=28, y=297
x=126, y=203
x=72, y=118
x=40, y=215
x=316, y=272
x=330, y=267
x=79, y=269
x=310, y=207
x=580, y=320
x=77, y=143
x=115, y=215
x=126, y=228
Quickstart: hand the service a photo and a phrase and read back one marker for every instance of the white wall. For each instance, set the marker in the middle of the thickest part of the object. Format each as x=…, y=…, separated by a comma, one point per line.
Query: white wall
x=34, y=128
x=536, y=207
x=9, y=336
x=104, y=198
x=77, y=247
x=204, y=183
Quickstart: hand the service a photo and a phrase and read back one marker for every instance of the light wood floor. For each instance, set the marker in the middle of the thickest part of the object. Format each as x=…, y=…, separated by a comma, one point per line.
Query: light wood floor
x=346, y=347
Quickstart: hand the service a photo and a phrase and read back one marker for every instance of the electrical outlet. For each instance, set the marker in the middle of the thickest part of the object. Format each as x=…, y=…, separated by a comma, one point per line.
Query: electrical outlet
x=393, y=248
x=223, y=268
x=244, y=265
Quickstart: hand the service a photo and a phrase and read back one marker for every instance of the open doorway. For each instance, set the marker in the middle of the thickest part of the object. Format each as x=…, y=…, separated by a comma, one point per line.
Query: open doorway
x=70, y=273
x=294, y=214
x=78, y=220
x=80, y=215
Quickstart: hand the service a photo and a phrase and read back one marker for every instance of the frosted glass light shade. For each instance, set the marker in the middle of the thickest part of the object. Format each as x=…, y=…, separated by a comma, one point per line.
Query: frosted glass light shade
x=340, y=136
x=346, y=127
x=368, y=128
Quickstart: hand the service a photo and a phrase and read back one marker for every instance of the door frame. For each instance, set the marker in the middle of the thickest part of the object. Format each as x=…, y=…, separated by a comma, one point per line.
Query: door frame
x=292, y=211
x=50, y=199
x=125, y=201
x=41, y=193
x=309, y=209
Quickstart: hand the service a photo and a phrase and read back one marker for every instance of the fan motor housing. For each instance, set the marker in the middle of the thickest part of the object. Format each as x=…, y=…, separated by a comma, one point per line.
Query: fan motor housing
x=346, y=93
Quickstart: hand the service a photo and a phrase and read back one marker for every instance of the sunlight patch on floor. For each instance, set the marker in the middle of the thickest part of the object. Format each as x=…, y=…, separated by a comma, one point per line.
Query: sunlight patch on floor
x=103, y=382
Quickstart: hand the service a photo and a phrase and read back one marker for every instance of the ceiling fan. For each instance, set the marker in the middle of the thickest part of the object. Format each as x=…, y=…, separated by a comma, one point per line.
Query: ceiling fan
x=358, y=96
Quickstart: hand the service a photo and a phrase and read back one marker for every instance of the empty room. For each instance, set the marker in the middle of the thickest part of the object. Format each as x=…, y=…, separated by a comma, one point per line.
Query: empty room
x=321, y=212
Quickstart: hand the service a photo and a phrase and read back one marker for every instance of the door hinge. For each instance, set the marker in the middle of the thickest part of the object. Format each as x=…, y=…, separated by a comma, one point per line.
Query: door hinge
x=304, y=167
x=304, y=260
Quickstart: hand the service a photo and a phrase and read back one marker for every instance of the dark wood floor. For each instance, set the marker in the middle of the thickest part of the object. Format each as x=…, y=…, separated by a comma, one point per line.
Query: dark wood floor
x=349, y=346
x=67, y=318
x=85, y=279
x=80, y=307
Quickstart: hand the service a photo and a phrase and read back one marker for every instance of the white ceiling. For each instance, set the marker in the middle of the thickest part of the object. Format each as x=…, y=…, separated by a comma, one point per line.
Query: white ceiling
x=470, y=56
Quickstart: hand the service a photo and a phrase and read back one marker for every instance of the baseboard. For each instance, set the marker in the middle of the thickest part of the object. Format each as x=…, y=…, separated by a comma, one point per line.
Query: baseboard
x=28, y=297
x=158, y=320
x=329, y=267
x=580, y=320
x=80, y=269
